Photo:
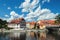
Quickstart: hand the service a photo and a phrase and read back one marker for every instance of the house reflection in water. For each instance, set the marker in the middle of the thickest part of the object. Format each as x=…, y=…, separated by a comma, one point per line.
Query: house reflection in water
x=42, y=36
x=36, y=36
x=18, y=36
x=28, y=36
x=31, y=36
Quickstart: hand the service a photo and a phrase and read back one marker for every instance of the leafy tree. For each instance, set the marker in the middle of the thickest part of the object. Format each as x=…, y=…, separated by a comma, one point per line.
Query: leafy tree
x=35, y=26
x=57, y=19
x=3, y=23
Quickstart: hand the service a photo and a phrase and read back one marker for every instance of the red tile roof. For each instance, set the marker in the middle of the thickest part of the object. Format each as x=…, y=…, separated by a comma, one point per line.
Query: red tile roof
x=46, y=22
x=16, y=21
x=32, y=23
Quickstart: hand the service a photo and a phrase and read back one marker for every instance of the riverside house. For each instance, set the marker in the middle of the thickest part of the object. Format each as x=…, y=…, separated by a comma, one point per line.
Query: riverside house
x=30, y=25
x=44, y=23
x=17, y=24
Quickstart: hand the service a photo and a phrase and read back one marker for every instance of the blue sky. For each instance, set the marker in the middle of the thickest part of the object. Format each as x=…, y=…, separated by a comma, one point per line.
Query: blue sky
x=30, y=10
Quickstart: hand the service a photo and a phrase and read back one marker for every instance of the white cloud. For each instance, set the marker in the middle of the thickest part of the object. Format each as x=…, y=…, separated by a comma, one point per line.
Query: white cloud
x=47, y=15
x=34, y=3
x=6, y=16
x=27, y=1
x=9, y=19
x=13, y=13
x=21, y=16
x=34, y=14
x=24, y=10
x=9, y=8
x=24, y=5
x=38, y=14
x=27, y=6
x=45, y=1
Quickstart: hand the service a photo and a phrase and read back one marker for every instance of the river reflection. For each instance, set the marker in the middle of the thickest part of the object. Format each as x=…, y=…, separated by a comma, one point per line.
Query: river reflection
x=29, y=36
x=36, y=36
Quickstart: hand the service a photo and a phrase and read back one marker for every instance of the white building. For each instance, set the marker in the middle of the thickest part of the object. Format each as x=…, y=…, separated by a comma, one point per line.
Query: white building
x=28, y=25
x=17, y=23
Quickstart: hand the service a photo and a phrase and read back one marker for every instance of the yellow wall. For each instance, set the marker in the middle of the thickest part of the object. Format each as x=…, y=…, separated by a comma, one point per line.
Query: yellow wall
x=42, y=27
x=31, y=26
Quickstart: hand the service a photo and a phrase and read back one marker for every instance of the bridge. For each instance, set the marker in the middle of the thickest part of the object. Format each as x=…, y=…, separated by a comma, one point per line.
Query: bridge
x=53, y=27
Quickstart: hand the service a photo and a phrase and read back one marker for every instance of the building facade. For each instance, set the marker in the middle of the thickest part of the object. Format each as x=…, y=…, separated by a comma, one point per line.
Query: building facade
x=17, y=23
x=43, y=23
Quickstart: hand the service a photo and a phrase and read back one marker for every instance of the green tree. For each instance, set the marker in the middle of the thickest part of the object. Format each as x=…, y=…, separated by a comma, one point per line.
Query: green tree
x=0, y=23
x=57, y=19
x=3, y=23
x=35, y=26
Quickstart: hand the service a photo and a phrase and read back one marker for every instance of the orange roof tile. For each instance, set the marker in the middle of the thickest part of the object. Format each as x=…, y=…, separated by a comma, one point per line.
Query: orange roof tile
x=16, y=21
x=32, y=23
x=46, y=22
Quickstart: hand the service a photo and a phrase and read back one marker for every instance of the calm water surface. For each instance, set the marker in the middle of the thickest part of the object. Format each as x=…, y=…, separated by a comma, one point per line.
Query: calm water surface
x=29, y=36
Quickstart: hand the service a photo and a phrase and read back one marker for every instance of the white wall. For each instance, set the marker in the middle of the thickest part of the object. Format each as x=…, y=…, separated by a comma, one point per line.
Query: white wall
x=15, y=26
x=27, y=25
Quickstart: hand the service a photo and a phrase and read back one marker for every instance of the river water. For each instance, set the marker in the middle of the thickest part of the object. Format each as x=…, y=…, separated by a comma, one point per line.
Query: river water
x=29, y=36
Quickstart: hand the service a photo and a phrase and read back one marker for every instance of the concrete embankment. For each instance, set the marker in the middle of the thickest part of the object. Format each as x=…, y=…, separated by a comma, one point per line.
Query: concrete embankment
x=18, y=30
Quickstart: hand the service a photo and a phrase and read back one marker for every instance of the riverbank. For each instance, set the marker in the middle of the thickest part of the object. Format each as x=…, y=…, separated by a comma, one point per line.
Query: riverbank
x=18, y=30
